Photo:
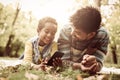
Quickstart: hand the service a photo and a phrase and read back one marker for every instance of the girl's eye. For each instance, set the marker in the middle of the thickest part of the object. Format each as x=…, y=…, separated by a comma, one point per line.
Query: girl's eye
x=46, y=31
x=53, y=33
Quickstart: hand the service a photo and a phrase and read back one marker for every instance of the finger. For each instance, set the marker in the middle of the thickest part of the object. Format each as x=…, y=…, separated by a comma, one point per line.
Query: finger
x=42, y=60
x=92, y=66
x=83, y=62
x=84, y=68
x=59, y=60
x=76, y=66
x=85, y=56
x=55, y=62
x=94, y=69
x=46, y=59
x=88, y=63
x=91, y=58
x=43, y=67
x=60, y=64
x=97, y=67
x=84, y=59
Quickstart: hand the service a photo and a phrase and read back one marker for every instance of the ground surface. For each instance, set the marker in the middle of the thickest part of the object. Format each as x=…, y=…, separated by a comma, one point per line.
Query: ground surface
x=11, y=69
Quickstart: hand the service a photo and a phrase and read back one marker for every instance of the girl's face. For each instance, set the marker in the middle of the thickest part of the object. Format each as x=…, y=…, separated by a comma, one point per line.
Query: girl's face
x=47, y=34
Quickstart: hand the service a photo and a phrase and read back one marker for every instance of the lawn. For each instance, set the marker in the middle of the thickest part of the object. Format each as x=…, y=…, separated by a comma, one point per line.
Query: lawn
x=25, y=72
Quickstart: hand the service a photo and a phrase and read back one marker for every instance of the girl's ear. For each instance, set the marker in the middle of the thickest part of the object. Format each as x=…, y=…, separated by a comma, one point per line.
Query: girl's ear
x=91, y=35
x=38, y=30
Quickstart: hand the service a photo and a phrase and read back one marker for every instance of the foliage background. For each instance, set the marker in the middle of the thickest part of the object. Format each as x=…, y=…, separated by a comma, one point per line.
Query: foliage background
x=17, y=26
x=26, y=23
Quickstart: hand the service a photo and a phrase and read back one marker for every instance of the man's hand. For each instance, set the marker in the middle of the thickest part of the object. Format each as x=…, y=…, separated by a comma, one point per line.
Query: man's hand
x=89, y=64
x=57, y=62
x=88, y=60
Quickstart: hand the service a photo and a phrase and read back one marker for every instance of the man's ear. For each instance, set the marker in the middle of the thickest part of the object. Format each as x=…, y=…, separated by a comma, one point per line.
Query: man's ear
x=91, y=35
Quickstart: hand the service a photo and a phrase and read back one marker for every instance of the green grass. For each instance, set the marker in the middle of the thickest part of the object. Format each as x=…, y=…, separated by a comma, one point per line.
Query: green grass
x=111, y=65
x=17, y=76
x=19, y=73
x=7, y=58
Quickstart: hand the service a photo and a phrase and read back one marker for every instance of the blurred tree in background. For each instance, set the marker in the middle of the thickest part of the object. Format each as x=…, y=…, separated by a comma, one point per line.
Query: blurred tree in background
x=16, y=26
x=113, y=25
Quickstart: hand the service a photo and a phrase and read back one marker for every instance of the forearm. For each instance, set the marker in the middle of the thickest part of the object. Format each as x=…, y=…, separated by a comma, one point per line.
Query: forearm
x=65, y=48
x=28, y=52
x=99, y=57
x=64, y=42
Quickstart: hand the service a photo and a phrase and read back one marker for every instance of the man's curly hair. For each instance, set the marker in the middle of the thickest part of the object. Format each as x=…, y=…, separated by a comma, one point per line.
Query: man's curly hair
x=44, y=20
x=88, y=19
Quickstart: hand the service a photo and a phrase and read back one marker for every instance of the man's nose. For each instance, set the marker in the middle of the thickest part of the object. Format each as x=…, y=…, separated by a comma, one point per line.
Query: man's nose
x=73, y=33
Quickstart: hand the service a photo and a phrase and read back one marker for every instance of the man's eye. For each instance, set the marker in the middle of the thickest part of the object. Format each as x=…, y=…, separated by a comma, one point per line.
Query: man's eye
x=78, y=33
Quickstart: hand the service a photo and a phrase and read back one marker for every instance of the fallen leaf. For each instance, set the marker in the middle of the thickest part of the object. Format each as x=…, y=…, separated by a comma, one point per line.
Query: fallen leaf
x=31, y=76
x=79, y=77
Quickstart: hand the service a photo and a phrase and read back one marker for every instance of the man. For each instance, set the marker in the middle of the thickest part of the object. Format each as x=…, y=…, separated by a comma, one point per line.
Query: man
x=84, y=42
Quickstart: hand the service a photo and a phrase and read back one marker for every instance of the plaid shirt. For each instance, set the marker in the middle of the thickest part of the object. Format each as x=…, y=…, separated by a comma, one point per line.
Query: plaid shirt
x=32, y=51
x=74, y=50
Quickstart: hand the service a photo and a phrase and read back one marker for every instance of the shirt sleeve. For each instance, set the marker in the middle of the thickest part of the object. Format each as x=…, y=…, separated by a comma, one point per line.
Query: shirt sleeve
x=102, y=47
x=28, y=52
x=54, y=48
x=64, y=42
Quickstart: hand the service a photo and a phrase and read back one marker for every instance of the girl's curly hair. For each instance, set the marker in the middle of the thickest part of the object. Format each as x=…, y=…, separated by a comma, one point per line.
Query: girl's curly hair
x=44, y=20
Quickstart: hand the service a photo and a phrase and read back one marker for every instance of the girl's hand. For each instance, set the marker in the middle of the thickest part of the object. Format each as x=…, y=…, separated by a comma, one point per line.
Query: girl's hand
x=44, y=61
x=42, y=65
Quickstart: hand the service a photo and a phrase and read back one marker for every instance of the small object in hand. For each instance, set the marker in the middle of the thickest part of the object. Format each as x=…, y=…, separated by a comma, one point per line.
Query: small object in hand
x=56, y=55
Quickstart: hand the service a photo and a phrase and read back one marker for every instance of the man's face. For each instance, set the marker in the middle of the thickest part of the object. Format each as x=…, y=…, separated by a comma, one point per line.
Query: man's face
x=80, y=35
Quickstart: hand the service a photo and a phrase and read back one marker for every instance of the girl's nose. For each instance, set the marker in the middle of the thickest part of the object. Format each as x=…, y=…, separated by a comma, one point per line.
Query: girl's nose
x=49, y=35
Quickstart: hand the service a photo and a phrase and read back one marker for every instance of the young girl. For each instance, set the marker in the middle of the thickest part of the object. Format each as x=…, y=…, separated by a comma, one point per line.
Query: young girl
x=42, y=46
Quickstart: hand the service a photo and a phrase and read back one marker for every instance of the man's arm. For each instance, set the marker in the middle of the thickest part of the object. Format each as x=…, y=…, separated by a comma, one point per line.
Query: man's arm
x=102, y=46
x=100, y=52
x=64, y=42
x=93, y=60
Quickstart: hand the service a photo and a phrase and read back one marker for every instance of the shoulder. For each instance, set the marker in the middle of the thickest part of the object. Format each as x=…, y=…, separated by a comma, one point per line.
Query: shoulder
x=67, y=28
x=33, y=39
x=54, y=44
x=102, y=33
x=65, y=32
